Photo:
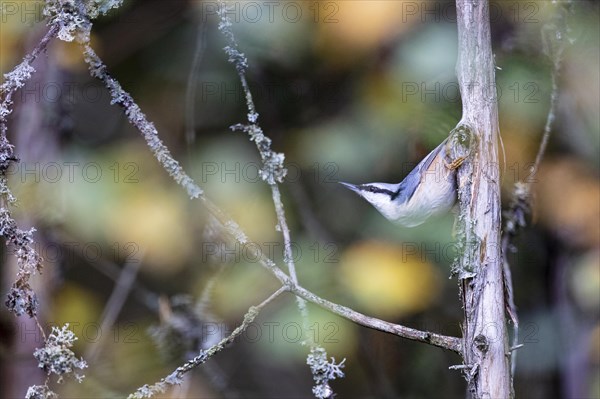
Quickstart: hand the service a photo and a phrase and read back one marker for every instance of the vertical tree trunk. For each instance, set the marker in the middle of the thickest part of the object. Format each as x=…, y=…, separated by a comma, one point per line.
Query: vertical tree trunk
x=480, y=270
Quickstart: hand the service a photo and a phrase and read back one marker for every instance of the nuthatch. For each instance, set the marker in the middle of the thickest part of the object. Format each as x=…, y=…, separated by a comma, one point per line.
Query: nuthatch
x=430, y=188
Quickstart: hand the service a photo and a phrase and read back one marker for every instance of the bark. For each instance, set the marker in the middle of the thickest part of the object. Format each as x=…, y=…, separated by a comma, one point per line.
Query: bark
x=485, y=336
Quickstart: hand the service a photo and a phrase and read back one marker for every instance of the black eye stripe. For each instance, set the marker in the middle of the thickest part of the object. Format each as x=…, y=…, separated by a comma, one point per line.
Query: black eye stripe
x=374, y=189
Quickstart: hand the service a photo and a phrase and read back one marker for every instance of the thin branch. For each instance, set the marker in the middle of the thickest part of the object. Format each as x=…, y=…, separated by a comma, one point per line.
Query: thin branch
x=14, y=80
x=190, y=92
x=235, y=231
x=273, y=169
x=273, y=172
x=22, y=298
x=288, y=257
x=137, y=118
x=453, y=344
x=176, y=376
x=554, y=53
x=111, y=270
x=554, y=41
x=116, y=301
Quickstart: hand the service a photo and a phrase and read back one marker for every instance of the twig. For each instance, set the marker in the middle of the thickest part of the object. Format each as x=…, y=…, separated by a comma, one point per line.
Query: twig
x=108, y=268
x=288, y=257
x=273, y=170
x=137, y=118
x=22, y=298
x=190, y=92
x=235, y=231
x=453, y=344
x=116, y=301
x=520, y=206
x=555, y=55
x=16, y=78
x=175, y=377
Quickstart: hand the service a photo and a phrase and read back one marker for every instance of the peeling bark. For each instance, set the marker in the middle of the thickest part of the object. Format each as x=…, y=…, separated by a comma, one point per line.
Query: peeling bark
x=485, y=335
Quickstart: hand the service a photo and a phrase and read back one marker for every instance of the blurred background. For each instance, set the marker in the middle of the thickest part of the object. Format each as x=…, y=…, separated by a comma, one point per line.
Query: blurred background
x=356, y=91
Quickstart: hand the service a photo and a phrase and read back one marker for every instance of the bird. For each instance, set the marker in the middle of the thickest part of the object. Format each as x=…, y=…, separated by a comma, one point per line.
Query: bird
x=429, y=189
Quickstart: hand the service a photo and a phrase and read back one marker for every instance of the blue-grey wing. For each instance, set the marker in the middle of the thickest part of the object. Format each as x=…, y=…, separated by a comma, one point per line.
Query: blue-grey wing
x=410, y=183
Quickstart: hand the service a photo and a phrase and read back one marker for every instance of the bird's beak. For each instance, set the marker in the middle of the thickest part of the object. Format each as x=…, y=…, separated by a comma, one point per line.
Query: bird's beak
x=350, y=186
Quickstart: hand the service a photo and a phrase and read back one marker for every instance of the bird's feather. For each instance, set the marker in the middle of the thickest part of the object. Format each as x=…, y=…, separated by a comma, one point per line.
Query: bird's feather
x=411, y=182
